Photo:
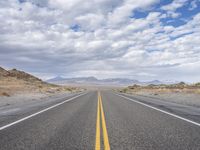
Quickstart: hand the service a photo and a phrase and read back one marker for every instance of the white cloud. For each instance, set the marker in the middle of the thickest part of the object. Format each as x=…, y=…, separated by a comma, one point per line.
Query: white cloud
x=193, y=5
x=90, y=21
x=40, y=39
x=172, y=7
x=123, y=12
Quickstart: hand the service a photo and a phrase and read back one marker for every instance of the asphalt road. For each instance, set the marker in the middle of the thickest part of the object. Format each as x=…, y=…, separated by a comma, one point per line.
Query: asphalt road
x=105, y=119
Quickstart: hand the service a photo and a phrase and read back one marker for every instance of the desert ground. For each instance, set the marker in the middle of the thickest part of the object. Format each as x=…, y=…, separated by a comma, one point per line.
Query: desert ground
x=18, y=87
x=181, y=93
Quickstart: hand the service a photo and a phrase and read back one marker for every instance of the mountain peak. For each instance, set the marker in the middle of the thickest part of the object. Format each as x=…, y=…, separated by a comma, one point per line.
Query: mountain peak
x=57, y=78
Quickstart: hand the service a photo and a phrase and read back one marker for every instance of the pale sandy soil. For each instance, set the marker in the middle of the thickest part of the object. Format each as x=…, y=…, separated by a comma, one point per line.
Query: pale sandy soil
x=27, y=97
x=190, y=99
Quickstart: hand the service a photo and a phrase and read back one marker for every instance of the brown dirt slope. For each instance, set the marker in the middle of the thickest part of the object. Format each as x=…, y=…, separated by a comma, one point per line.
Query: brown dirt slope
x=15, y=81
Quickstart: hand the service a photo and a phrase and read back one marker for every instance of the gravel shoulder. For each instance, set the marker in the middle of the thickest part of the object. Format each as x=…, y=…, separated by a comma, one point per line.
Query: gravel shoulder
x=189, y=99
x=180, y=98
x=28, y=101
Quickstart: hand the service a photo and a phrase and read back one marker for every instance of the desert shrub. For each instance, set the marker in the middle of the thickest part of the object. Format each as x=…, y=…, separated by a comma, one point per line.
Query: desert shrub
x=40, y=86
x=5, y=94
x=135, y=86
x=124, y=90
x=197, y=84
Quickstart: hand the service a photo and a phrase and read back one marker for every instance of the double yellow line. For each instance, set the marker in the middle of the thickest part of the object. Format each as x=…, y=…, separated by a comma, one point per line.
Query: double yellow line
x=100, y=114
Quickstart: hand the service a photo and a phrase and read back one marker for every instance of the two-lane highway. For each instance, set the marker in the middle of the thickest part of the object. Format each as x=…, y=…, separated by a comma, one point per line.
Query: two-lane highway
x=99, y=120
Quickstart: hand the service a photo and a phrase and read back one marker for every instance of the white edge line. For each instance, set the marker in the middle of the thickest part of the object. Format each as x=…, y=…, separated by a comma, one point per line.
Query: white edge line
x=176, y=116
x=37, y=113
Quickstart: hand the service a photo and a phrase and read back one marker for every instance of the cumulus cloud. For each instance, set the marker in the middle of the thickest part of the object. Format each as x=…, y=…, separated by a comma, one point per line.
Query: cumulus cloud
x=99, y=38
x=194, y=4
x=172, y=7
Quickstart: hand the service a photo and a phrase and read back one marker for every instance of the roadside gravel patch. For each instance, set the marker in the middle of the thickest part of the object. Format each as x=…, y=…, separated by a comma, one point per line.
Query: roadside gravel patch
x=179, y=98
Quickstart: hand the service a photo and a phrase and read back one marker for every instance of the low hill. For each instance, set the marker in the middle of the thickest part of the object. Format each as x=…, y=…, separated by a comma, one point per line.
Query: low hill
x=15, y=81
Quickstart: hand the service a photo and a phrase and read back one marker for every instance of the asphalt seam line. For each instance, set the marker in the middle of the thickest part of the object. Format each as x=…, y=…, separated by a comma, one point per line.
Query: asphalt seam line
x=160, y=110
x=39, y=112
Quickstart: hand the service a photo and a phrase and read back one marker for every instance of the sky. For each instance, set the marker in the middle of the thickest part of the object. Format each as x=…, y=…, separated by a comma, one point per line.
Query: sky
x=137, y=39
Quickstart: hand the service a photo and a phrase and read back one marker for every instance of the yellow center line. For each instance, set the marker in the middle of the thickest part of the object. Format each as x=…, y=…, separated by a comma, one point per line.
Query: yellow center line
x=100, y=112
x=105, y=133
x=98, y=137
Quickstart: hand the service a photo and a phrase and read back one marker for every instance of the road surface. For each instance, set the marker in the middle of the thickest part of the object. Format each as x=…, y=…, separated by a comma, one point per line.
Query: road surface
x=100, y=120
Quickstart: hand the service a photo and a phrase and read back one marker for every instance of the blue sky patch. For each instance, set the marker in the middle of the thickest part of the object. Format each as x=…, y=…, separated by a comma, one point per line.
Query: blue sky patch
x=75, y=27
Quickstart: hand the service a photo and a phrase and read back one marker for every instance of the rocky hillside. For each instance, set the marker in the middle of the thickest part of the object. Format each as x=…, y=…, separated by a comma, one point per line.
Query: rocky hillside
x=15, y=81
x=3, y=72
x=22, y=75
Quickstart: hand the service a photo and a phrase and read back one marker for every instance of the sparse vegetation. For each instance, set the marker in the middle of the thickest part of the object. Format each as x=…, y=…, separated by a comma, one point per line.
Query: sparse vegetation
x=163, y=88
x=4, y=94
x=197, y=84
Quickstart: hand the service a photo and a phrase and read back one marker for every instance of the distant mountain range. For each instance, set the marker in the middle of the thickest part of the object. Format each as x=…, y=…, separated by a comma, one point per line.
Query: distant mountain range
x=95, y=81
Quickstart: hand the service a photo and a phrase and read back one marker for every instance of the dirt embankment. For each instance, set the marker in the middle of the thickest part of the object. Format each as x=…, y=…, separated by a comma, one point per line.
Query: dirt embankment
x=17, y=82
